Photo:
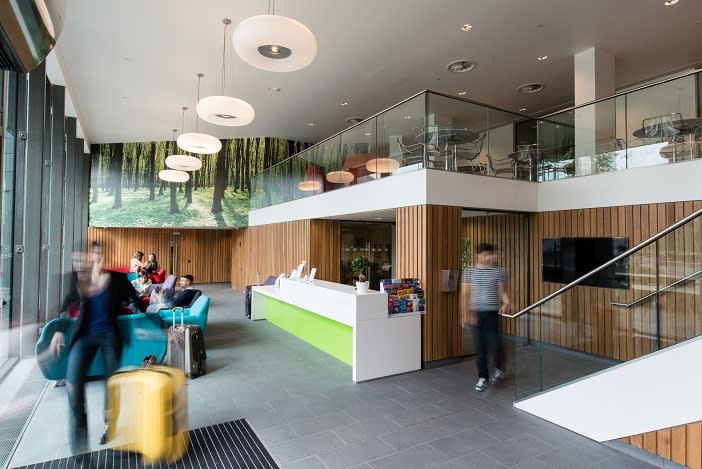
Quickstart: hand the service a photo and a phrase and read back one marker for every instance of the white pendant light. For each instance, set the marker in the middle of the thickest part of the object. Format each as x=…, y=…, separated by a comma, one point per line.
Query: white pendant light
x=340, y=177
x=382, y=165
x=184, y=162
x=171, y=175
x=199, y=143
x=196, y=142
x=309, y=185
x=274, y=43
x=225, y=110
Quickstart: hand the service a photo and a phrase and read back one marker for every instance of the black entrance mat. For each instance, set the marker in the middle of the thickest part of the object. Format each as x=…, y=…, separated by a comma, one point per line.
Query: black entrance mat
x=232, y=444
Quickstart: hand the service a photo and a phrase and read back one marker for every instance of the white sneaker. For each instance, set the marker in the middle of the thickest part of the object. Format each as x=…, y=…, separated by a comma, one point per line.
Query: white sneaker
x=481, y=385
x=498, y=376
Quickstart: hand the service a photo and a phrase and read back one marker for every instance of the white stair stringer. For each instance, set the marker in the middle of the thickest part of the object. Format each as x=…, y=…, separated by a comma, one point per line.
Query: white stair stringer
x=656, y=391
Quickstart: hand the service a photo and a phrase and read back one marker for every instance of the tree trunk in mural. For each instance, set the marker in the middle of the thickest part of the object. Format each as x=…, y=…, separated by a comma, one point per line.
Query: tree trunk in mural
x=117, y=175
x=152, y=169
x=174, y=201
x=220, y=179
x=94, y=170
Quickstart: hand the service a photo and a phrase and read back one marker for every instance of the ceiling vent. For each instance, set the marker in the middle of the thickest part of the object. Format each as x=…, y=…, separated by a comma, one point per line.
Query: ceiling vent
x=530, y=88
x=354, y=120
x=28, y=31
x=460, y=66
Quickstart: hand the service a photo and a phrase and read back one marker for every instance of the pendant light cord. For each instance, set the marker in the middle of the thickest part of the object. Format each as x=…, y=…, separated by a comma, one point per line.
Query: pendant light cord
x=269, y=7
x=197, y=118
x=227, y=22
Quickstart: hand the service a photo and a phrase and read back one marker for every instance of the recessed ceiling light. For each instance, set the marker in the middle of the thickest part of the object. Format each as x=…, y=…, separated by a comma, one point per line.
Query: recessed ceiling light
x=543, y=57
x=377, y=218
x=344, y=103
x=408, y=117
x=354, y=120
x=460, y=66
x=522, y=109
x=275, y=89
x=311, y=124
x=671, y=2
x=466, y=27
x=462, y=93
x=367, y=134
x=530, y=88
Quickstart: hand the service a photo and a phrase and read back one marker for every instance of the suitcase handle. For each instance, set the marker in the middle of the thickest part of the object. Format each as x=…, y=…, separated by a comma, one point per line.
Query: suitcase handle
x=182, y=314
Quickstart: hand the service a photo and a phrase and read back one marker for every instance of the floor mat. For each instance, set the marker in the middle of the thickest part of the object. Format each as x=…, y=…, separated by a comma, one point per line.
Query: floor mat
x=232, y=444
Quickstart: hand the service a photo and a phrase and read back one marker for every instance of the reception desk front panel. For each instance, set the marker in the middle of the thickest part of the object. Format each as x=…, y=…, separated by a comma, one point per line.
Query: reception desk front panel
x=354, y=328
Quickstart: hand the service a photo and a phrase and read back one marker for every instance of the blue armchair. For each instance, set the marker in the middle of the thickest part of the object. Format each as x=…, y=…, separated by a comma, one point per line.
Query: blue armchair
x=195, y=314
x=141, y=336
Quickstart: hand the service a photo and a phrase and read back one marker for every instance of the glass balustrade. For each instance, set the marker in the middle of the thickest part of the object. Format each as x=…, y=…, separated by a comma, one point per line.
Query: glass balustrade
x=651, y=302
x=654, y=125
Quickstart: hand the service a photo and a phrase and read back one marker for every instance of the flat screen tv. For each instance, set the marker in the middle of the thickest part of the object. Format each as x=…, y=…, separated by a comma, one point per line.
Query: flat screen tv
x=566, y=259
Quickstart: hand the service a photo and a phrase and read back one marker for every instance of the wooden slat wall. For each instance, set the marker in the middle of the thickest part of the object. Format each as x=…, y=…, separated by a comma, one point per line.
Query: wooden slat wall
x=205, y=254
x=509, y=233
x=279, y=247
x=428, y=240
x=583, y=318
x=268, y=250
x=681, y=444
x=325, y=249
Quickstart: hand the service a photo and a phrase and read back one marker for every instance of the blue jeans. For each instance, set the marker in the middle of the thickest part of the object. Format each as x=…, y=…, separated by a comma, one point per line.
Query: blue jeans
x=488, y=339
x=79, y=358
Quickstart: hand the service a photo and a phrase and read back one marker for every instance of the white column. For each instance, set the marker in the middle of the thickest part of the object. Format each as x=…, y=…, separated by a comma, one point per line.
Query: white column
x=594, y=125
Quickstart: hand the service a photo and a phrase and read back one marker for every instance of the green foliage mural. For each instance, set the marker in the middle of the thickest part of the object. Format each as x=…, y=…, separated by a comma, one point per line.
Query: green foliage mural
x=126, y=191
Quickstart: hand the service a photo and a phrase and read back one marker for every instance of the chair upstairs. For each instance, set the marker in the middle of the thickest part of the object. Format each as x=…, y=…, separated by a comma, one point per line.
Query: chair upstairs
x=411, y=154
x=467, y=156
x=500, y=166
x=663, y=127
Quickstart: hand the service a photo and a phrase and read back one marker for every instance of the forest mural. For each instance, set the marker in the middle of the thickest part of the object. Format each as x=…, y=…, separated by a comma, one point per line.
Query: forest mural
x=126, y=190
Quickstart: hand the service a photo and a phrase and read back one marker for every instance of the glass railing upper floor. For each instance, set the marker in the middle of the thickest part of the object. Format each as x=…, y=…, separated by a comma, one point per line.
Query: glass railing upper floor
x=657, y=124
x=643, y=300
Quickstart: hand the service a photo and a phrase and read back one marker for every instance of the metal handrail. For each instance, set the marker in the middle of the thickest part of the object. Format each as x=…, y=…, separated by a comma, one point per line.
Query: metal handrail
x=613, y=261
x=654, y=293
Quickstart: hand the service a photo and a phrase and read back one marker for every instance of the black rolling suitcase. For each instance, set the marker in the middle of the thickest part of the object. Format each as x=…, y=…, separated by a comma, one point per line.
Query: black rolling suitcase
x=186, y=347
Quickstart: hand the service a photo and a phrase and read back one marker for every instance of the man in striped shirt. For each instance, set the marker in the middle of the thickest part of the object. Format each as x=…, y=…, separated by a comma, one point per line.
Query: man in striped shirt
x=484, y=295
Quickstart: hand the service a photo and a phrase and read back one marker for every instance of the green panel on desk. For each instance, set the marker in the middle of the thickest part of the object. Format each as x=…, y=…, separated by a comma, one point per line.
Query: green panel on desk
x=330, y=336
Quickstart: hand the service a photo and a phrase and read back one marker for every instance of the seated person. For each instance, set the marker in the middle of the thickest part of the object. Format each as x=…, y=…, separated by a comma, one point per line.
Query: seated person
x=151, y=264
x=187, y=291
x=135, y=264
x=142, y=284
x=159, y=300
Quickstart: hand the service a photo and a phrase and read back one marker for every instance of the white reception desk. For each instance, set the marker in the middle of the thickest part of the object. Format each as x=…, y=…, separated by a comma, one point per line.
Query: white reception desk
x=355, y=328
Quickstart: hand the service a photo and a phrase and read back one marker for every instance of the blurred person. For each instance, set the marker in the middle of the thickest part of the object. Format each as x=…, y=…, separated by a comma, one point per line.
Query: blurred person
x=151, y=264
x=484, y=296
x=135, y=264
x=101, y=295
x=142, y=284
x=187, y=291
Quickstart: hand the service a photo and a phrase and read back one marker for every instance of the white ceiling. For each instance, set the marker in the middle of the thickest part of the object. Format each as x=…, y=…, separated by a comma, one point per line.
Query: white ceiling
x=131, y=64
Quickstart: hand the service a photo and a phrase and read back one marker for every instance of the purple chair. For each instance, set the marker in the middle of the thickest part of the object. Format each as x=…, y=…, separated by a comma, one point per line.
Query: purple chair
x=167, y=286
x=247, y=294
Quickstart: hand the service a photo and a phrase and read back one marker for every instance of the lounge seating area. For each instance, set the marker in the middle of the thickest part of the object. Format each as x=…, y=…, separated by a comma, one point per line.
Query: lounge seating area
x=142, y=334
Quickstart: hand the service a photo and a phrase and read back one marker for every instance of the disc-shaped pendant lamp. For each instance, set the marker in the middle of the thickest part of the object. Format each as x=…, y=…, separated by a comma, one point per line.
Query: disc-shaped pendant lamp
x=382, y=165
x=196, y=142
x=172, y=175
x=184, y=162
x=274, y=43
x=339, y=177
x=225, y=110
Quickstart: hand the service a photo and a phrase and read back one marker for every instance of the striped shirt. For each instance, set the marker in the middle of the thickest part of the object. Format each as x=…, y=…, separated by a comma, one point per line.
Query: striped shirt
x=484, y=287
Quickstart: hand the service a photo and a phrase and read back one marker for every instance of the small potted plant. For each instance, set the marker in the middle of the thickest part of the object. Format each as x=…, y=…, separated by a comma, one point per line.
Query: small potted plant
x=360, y=265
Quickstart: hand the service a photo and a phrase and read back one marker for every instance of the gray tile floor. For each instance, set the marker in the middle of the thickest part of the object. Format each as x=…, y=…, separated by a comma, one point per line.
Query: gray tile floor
x=309, y=413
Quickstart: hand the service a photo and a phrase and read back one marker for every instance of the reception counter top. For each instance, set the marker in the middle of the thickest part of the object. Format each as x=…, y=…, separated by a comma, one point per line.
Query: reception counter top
x=353, y=327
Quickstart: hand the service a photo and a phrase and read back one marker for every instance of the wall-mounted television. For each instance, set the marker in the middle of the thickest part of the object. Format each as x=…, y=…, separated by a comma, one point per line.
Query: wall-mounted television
x=566, y=259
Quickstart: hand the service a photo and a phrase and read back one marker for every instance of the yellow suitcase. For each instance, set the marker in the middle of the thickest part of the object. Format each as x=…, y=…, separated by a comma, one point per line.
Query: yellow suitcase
x=148, y=411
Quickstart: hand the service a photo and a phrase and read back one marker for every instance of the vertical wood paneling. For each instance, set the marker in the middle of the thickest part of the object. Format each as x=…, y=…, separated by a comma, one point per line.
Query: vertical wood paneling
x=428, y=240
x=205, y=254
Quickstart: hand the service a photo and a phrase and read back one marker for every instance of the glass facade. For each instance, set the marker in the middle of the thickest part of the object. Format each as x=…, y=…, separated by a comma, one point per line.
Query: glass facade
x=39, y=230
